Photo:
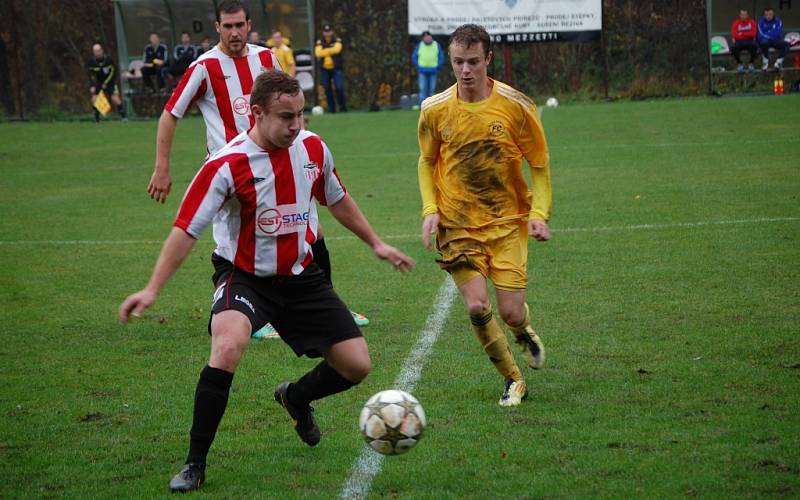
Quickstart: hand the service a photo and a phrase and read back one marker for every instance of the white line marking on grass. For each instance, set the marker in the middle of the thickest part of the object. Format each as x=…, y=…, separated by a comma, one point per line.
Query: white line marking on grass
x=598, y=229
x=643, y=145
x=590, y=229
x=81, y=242
x=369, y=463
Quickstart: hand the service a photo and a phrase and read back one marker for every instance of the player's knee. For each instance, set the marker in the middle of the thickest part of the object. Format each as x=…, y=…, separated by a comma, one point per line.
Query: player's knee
x=226, y=355
x=512, y=315
x=359, y=369
x=478, y=307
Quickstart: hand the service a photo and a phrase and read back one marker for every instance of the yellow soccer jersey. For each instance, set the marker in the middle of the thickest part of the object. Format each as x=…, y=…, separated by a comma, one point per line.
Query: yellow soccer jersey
x=470, y=165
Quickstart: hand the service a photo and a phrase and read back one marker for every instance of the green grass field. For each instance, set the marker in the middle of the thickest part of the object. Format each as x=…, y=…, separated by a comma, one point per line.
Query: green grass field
x=668, y=300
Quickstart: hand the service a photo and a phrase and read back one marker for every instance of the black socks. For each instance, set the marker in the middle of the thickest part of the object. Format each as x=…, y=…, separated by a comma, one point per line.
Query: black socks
x=210, y=400
x=320, y=382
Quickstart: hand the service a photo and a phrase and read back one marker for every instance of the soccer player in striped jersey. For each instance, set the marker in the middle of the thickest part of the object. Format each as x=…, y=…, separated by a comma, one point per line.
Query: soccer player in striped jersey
x=220, y=82
x=472, y=139
x=259, y=191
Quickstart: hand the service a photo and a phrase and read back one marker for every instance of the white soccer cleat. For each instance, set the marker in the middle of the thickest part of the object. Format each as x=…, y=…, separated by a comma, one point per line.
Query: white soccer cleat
x=514, y=393
x=532, y=348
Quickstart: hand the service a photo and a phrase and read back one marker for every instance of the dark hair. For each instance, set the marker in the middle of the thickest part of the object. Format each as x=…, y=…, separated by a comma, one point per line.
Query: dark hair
x=185, y=33
x=271, y=83
x=231, y=7
x=469, y=35
x=155, y=33
x=768, y=8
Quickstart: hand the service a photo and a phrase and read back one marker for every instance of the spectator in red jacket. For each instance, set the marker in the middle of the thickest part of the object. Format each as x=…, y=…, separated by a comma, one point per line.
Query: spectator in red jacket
x=744, y=31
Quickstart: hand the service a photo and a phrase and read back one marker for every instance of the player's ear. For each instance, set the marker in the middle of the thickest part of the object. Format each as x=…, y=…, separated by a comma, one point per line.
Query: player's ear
x=216, y=26
x=249, y=25
x=489, y=57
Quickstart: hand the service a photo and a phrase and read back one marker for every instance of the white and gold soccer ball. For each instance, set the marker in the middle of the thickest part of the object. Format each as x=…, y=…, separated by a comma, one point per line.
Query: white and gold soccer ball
x=552, y=102
x=317, y=110
x=392, y=422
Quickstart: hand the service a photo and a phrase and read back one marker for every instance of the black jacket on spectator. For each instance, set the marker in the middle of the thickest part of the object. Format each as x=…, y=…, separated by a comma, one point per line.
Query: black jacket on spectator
x=102, y=73
x=151, y=53
x=185, y=54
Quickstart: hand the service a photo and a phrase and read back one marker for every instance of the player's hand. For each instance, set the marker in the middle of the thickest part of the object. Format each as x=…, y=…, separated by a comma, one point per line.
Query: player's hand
x=538, y=229
x=398, y=259
x=93, y=90
x=430, y=224
x=135, y=304
x=160, y=185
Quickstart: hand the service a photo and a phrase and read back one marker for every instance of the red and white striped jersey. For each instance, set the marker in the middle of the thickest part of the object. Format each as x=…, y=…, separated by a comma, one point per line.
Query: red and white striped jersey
x=261, y=202
x=221, y=86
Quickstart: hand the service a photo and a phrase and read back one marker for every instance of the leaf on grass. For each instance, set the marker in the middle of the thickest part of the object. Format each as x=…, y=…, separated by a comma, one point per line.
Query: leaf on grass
x=642, y=371
x=503, y=454
x=792, y=367
x=91, y=417
x=773, y=464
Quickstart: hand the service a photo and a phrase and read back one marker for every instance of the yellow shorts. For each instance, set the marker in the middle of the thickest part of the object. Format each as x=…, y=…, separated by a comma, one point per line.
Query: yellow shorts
x=498, y=253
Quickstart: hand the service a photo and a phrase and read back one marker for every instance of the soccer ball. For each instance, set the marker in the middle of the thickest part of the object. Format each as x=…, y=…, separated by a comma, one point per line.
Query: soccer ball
x=317, y=110
x=392, y=422
x=552, y=102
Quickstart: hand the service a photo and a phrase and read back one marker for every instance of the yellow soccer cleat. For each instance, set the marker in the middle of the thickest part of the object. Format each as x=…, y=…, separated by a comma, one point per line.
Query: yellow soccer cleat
x=532, y=348
x=514, y=393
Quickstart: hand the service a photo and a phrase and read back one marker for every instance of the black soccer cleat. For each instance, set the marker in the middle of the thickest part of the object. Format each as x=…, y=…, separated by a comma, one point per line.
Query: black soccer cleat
x=302, y=418
x=190, y=478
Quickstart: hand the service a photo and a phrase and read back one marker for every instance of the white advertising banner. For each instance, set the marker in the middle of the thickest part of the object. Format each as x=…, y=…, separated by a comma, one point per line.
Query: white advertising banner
x=511, y=20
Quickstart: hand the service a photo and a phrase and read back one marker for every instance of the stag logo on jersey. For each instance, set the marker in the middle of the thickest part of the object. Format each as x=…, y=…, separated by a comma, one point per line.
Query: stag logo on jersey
x=510, y=3
x=285, y=219
x=496, y=129
x=312, y=171
x=241, y=105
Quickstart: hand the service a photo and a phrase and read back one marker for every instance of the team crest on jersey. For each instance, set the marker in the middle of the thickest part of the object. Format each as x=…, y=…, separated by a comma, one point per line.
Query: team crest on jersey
x=447, y=134
x=285, y=219
x=312, y=171
x=496, y=129
x=510, y=3
x=241, y=105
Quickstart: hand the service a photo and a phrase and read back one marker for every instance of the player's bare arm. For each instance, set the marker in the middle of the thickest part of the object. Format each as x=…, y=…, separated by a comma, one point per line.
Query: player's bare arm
x=161, y=182
x=348, y=214
x=176, y=248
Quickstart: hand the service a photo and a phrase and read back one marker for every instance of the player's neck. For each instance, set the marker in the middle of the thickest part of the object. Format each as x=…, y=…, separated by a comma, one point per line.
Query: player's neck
x=260, y=141
x=225, y=50
x=477, y=93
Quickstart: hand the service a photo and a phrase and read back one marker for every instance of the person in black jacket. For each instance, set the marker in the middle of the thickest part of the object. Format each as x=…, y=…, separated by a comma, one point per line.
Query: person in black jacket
x=155, y=60
x=103, y=78
x=183, y=55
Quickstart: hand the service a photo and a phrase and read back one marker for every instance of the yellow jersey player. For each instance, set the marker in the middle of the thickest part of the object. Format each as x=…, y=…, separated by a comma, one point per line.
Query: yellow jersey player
x=472, y=139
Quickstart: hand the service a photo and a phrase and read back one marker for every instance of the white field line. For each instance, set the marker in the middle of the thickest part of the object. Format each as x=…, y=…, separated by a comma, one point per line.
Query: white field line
x=589, y=229
x=623, y=145
x=369, y=463
x=599, y=229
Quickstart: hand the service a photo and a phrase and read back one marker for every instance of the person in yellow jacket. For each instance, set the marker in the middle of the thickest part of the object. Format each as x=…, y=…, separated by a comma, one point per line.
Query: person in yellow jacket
x=328, y=51
x=284, y=53
x=472, y=139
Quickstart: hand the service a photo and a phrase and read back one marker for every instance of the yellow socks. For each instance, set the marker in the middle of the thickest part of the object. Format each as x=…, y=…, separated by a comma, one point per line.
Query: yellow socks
x=495, y=344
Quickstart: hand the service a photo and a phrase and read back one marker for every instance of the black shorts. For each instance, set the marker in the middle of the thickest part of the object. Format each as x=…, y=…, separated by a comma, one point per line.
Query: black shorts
x=304, y=309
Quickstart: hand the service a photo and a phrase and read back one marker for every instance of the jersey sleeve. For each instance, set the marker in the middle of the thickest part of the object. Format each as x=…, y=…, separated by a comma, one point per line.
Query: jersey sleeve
x=533, y=145
x=203, y=198
x=191, y=87
x=429, y=143
x=330, y=189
